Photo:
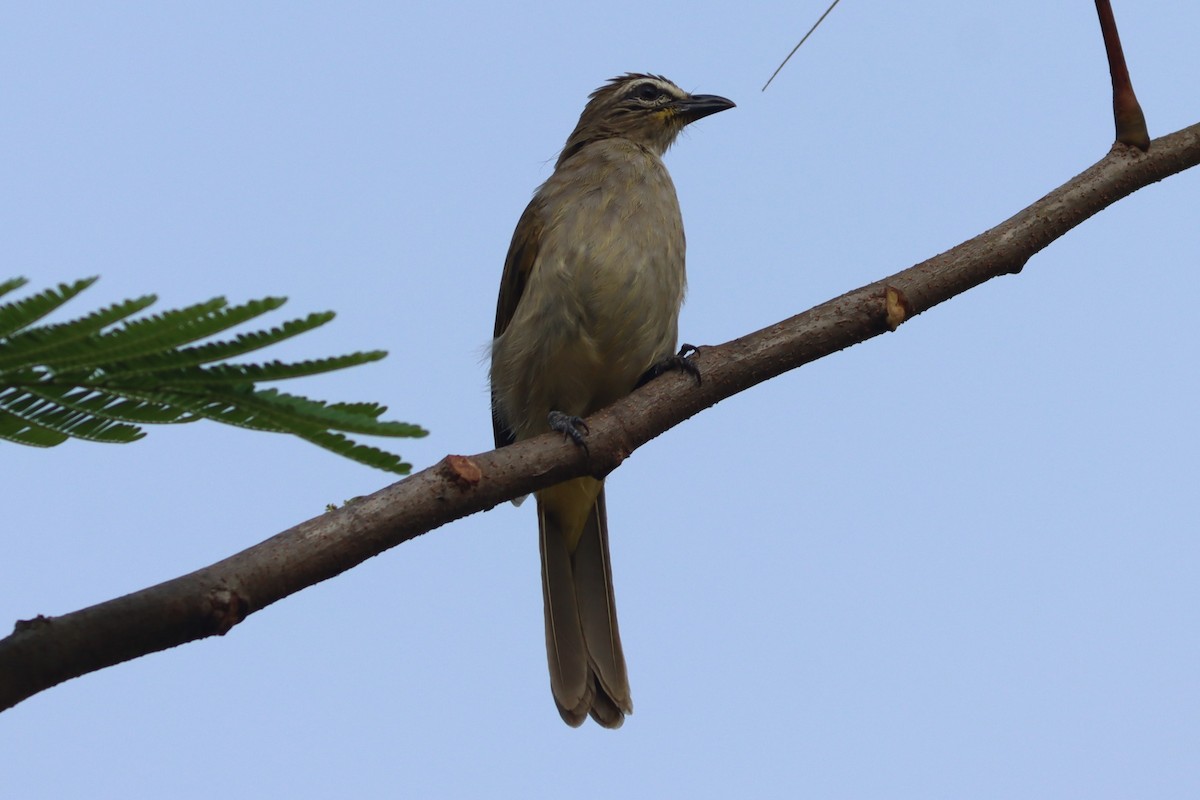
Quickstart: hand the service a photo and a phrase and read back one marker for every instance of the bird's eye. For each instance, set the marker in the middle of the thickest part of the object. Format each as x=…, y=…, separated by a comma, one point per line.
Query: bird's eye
x=647, y=92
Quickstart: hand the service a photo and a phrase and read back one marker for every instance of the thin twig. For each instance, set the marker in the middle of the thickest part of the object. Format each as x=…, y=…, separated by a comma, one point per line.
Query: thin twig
x=797, y=47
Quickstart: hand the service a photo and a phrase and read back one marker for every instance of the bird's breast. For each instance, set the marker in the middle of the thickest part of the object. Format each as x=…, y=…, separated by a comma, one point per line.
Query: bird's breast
x=601, y=305
x=622, y=262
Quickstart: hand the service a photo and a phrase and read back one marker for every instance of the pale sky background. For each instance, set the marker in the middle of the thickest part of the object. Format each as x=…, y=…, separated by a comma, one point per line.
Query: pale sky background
x=956, y=561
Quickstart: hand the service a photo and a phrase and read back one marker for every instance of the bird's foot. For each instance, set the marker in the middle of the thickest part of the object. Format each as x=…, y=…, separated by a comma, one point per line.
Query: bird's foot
x=680, y=361
x=571, y=427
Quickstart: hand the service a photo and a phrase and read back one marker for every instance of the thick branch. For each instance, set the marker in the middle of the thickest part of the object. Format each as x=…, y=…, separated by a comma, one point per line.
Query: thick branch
x=46, y=651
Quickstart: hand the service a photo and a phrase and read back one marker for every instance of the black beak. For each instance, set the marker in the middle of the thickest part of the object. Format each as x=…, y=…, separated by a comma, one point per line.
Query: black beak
x=699, y=106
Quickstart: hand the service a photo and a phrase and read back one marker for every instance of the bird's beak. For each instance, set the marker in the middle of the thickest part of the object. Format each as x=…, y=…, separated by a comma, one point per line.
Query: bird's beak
x=699, y=106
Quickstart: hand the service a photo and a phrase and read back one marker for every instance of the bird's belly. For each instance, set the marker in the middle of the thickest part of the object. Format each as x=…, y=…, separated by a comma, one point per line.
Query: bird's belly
x=585, y=335
x=621, y=328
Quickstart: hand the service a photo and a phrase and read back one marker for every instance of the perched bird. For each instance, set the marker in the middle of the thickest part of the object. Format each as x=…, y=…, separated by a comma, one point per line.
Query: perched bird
x=589, y=304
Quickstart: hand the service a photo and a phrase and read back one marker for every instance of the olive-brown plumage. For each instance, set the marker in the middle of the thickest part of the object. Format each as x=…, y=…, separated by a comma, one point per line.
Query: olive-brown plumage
x=589, y=303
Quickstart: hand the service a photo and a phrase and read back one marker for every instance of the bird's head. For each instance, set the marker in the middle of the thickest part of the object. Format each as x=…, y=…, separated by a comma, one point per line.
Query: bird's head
x=648, y=110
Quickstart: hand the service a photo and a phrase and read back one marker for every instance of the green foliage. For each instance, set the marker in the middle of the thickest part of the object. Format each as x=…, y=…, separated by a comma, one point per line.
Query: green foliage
x=102, y=376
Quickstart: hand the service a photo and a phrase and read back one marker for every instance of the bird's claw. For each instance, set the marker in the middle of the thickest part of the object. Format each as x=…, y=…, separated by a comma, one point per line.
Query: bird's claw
x=681, y=361
x=573, y=428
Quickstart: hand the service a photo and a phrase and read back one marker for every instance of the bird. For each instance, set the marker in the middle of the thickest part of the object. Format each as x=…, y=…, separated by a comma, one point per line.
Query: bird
x=588, y=308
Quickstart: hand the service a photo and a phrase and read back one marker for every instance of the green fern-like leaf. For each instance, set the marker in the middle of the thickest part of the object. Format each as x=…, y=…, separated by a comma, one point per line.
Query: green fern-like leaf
x=214, y=351
x=12, y=284
x=304, y=412
x=153, y=334
x=49, y=343
x=21, y=431
x=110, y=406
x=363, y=454
x=14, y=316
x=40, y=413
x=101, y=376
x=235, y=374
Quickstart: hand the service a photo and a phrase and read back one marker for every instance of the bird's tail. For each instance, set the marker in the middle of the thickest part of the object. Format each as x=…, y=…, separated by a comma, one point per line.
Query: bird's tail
x=583, y=642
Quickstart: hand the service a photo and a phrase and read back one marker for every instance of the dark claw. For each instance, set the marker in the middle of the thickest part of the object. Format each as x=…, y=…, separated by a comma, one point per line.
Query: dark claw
x=569, y=427
x=681, y=361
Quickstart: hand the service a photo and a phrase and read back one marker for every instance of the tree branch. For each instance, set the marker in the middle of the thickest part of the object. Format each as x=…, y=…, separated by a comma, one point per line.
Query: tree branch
x=1127, y=112
x=49, y=650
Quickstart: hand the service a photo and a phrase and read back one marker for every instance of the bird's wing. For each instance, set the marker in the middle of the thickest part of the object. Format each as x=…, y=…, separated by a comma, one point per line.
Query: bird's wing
x=522, y=254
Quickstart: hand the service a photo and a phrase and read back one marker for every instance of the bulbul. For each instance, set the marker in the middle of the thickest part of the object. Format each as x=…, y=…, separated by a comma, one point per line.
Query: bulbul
x=589, y=304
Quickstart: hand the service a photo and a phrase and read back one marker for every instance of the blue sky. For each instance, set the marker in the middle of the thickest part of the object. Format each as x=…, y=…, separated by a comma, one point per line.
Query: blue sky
x=956, y=561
